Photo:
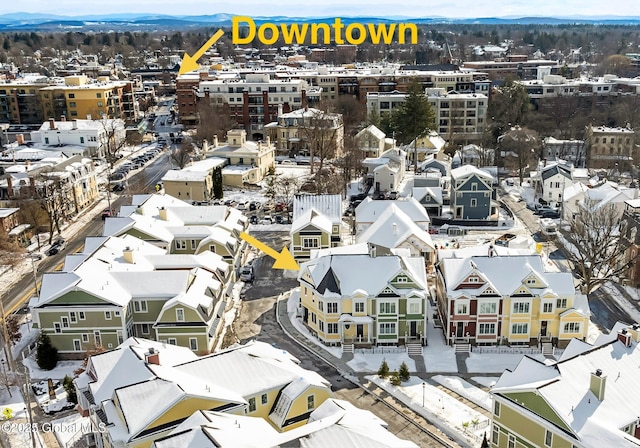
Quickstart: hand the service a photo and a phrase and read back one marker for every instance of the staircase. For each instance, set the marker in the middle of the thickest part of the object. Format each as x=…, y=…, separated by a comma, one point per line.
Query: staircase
x=347, y=348
x=461, y=348
x=547, y=349
x=414, y=349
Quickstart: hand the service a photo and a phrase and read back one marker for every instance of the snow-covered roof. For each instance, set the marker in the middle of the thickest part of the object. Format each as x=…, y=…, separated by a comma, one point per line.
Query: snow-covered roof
x=344, y=274
x=370, y=210
x=373, y=130
x=329, y=205
x=195, y=171
x=468, y=170
x=6, y=212
x=565, y=387
x=313, y=217
x=393, y=228
x=421, y=192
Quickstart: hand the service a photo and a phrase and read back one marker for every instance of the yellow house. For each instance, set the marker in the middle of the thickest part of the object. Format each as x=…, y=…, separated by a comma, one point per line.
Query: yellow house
x=585, y=399
x=508, y=299
x=195, y=182
x=142, y=390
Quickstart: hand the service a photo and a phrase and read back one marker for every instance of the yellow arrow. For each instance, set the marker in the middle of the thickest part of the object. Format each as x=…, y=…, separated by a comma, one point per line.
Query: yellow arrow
x=284, y=259
x=189, y=63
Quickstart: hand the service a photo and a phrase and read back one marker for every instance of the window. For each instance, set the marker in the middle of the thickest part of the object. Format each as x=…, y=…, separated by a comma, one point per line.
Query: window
x=116, y=313
x=520, y=328
x=572, y=327
x=193, y=344
x=388, y=328
x=320, y=305
x=520, y=307
x=180, y=314
x=311, y=402
x=145, y=328
x=107, y=315
x=359, y=307
x=310, y=243
x=140, y=306
x=496, y=408
x=462, y=308
x=72, y=95
x=321, y=325
x=488, y=308
x=548, y=438
x=76, y=345
x=96, y=337
x=120, y=337
x=65, y=322
x=72, y=104
x=332, y=328
x=487, y=328
x=56, y=327
x=474, y=186
x=332, y=307
x=547, y=307
x=512, y=441
x=194, y=244
x=561, y=303
x=100, y=104
x=181, y=244
x=313, y=318
x=474, y=202
x=73, y=317
x=387, y=308
x=402, y=279
x=98, y=95
x=415, y=308
x=172, y=341
x=531, y=281
x=495, y=434
x=81, y=140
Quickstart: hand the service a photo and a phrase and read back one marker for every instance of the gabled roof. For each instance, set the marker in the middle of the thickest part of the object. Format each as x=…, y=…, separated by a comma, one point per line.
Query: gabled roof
x=314, y=218
x=393, y=228
x=565, y=388
x=420, y=193
x=469, y=170
x=373, y=130
x=370, y=210
x=554, y=169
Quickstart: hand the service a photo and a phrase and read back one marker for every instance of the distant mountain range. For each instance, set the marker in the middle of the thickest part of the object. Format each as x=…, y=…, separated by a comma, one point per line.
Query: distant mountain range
x=149, y=22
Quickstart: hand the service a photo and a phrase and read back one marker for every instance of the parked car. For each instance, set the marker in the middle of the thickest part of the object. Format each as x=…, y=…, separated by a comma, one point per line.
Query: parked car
x=243, y=205
x=553, y=214
x=266, y=219
x=253, y=219
x=288, y=162
x=543, y=209
x=246, y=273
x=254, y=205
x=105, y=214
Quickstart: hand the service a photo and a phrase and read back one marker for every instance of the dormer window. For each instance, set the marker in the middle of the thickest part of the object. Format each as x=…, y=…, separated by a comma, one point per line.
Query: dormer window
x=474, y=280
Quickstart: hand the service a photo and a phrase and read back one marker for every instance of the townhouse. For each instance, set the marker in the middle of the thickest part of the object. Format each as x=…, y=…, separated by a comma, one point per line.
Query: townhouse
x=121, y=287
x=333, y=422
x=473, y=196
x=586, y=399
x=610, y=148
x=369, y=211
x=142, y=390
x=364, y=296
x=10, y=224
x=317, y=223
x=507, y=299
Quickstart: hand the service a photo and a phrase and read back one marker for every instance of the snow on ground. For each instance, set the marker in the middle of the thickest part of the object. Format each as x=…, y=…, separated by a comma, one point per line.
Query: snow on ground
x=69, y=429
x=269, y=228
x=29, y=335
x=48, y=405
x=466, y=390
x=230, y=315
x=297, y=171
x=622, y=302
x=438, y=357
x=592, y=333
x=57, y=373
x=13, y=401
x=370, y=362
x=245, y=195
x=495, y=362
x=440, y=408
x=486, y=381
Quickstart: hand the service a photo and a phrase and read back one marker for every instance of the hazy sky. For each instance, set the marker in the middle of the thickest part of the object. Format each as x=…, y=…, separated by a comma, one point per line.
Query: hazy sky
x=411, y=8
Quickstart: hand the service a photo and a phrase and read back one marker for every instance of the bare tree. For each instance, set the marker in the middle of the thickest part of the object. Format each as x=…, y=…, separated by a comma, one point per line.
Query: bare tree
x=594, y=241
x=520, y=147
x=324, y=134
x=9, y=250
x=32, y=213
x=54, y=195
x=213, y=119
x=183, y=155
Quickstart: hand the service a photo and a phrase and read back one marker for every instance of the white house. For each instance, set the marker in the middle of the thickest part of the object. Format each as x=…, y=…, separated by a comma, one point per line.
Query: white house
x=370, y=211
x=551, y=181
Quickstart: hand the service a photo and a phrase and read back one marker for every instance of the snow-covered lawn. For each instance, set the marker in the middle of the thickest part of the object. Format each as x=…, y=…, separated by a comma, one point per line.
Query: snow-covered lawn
x=466, y=390
x=438, y=357
x=70, y=428
x=370, y=363
x=439, y=407
x=58, y=373
x=495, y=362
x=48, y=405
x=13, y=401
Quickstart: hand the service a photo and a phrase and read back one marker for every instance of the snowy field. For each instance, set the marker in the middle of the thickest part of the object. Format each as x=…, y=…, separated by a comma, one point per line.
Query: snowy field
x=466, y=390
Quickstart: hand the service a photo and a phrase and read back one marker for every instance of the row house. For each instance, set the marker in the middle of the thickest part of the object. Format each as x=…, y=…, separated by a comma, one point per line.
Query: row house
x=630, y=237
x=501, y=299
x=121, y=287
x=10, y=224
x=364, y=298
x=473, y=197
x=139, y=392
x=585, y=399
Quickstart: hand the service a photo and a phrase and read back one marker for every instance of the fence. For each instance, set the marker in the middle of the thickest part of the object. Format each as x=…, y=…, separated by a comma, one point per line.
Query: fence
x=380, y=350
x=510, y=350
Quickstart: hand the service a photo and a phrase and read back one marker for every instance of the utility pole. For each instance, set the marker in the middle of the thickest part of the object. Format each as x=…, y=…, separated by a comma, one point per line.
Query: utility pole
x=27, y=396
x=7, y=341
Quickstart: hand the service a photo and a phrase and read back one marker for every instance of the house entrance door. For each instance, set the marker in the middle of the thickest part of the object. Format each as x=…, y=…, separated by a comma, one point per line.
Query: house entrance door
x=460, y=330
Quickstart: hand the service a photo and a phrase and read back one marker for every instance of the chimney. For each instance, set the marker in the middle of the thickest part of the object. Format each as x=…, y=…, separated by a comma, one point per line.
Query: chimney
x=395, y=229
x=163, y=213
x=215, y=141
x=75, y=124
x=268, y=141
x=260, y=146
x=492, y=250
x=28, y=164
x=279, y=109
x=9, y=186
x=63, y=118
x=205, y=146
x=372, y=250
x=597, y=384
x=635, y=332
x=152, y=357
x=127, y=253
x=20, y=139
x=625, y=337
x=52, y=123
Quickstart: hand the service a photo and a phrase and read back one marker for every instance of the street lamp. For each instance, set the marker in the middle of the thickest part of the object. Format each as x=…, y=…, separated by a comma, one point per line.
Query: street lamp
x=423, y=391
x=35, y=276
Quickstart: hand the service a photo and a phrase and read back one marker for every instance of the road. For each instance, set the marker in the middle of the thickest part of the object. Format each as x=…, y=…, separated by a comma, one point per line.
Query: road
x=257, y=320
x=605, y=311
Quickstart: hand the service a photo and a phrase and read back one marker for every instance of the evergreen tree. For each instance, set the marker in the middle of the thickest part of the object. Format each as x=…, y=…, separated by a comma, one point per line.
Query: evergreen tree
x=403, y=372
x=383, y=371
x=394, y=379
x=485, y=442
x=271, y=180
x=70, y=389
x=217, y=183
x=46, y=353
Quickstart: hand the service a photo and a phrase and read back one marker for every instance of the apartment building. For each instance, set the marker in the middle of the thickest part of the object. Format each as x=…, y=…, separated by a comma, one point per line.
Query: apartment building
x=461, y=114
x=610, y=148
x=517, y=66
x=20, y=100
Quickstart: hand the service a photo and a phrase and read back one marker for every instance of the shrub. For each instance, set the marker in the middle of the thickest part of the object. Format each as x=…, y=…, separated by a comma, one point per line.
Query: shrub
x=70, y=389
x=383, y=371
x=46, y=354
x=395, y=379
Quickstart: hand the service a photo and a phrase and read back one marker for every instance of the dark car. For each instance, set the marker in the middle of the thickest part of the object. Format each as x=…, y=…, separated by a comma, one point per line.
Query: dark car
x=52, y=251
x=105, y=214
x=253, y=219
x=254, y=205
x=118, y=187
x=553, y=214
x=358, y=197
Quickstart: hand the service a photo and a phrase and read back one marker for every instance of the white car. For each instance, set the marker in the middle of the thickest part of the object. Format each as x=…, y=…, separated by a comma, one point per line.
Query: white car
x=246, y=273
